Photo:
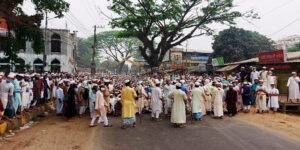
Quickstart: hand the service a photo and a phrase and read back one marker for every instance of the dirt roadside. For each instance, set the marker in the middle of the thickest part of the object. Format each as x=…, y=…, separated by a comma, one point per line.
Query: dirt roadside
x=52, y=133
x=287, y=125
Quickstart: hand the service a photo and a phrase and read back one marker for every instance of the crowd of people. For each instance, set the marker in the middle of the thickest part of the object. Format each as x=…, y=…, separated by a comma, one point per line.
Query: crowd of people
x=131, y=96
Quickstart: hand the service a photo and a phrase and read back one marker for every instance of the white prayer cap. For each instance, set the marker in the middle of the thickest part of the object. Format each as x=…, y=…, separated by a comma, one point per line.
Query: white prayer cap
x=182, y=81
x=106, y=80
x=127, y=81
x=218, y=83
x=178, y=85
x=21, y=75
x=197, y=84
x=261, y=80
x=230, y=85
x=72, y=82
x=271, y=68
x=243, y=67
x=245, y=82
x=264, y=67
x=60, y=82
x=26, y=75
x=157, y=82
x=140, y=82
x=66, y=80
x=1, y=74
x=294, y=72
x=11, y=75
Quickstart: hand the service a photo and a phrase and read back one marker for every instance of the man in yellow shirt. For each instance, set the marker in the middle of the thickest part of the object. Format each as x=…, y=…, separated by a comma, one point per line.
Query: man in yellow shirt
x=128, y=96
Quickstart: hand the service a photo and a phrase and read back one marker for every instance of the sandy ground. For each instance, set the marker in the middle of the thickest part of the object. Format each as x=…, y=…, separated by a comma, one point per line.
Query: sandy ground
x=52, y=133
x=284, y=124
x=56, y=134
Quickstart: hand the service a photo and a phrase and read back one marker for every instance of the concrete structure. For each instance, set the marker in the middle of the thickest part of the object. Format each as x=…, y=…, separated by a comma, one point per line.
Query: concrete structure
x=287, y=42
x=60, y=49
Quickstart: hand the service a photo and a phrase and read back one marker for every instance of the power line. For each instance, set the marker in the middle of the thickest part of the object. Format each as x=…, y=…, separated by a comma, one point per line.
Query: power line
x=278, y=7
x=291, y=23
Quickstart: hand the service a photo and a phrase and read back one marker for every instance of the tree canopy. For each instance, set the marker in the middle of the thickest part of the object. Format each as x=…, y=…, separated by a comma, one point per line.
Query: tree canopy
x=119, y=49
x=26, y=27
x=85, y=53
x=161, y=25
x=235, y=44
x=294, y=48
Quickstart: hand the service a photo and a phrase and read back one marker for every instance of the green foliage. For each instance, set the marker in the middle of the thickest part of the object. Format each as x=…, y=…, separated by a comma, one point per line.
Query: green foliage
x=294, y=48
x=235, y=44
x=85, y=53
x=26, y=27
x=161, y=25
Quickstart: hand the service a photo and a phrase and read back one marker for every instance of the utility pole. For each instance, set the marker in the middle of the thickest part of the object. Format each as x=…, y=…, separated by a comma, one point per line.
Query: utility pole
x=45, y=43
x=93, y=65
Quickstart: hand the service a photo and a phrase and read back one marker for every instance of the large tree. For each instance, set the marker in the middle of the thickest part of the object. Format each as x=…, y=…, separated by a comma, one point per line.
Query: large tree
x=235, y=44
x=294, y=48
x=26, y=27
x=85, y=53
x=161, y=25
x=119, y=49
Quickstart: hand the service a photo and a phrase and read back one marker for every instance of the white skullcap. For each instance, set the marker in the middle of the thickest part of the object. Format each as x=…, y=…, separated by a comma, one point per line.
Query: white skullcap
x=197, y=84
x=264, y=67
x=140, y=82
x=182, y=81
x=106, y=80
x=294, y=72
x=26, y=75
x=60, y=82
x=72, y=82
x=11, y=75
x=127, y=81
x=1, y=74
x=157, y=82
x=21, y=75
x=261, y=80
x=245, y=82
x=178, y=85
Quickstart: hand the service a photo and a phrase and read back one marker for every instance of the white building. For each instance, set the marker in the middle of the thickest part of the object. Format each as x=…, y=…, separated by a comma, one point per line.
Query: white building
x=287, y=42
x=60, y=48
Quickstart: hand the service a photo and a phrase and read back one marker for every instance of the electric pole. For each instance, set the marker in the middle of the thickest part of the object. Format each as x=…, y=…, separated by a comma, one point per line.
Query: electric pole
x=93, y=65
x=45, y=43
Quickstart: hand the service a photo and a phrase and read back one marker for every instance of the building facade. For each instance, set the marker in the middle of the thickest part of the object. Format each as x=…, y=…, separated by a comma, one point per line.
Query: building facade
x=287, y=42
x=60, y=50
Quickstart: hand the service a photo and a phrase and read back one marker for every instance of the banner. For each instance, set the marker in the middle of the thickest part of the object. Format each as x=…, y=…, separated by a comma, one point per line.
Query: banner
x=277, y=56
x=219, y=61
x=3, y=27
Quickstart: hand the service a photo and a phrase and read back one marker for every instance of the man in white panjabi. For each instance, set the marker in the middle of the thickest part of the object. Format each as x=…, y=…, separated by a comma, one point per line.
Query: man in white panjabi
x=156, y=101
x=25, y=94
x=197, y=95
x=254, y=75
x=218, y=95
x=208, y=99
x=178, y=112
x=261, y=97
x=273, y=94
x=166, y=91
x=293, y=85
x=7, y=90
x=264, y=76
x=141, y=96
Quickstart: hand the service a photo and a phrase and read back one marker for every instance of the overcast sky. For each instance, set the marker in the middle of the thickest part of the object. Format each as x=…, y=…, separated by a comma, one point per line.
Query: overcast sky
x=279, y=18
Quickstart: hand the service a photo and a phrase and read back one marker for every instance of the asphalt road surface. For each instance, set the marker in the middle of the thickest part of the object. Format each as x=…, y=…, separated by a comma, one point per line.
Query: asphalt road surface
x=54, y=133
x=210, y=134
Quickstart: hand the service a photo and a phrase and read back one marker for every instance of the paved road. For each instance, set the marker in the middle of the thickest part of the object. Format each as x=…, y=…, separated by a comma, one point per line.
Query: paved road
x=210, y=134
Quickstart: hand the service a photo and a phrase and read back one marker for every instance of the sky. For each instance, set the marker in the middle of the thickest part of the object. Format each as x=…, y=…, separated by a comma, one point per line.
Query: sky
x=279, y=18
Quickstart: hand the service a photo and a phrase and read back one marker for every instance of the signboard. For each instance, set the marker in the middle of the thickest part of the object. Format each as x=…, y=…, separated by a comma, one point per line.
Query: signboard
x=3, y=27
x=177, y=66
x=219, y=61
x=277, y=56
x=197, y=56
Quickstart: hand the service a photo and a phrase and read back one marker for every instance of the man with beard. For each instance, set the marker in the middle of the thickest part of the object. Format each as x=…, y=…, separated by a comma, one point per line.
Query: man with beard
x=38, y=86
x=218, y=95
x=156, y=101
x=231, y=99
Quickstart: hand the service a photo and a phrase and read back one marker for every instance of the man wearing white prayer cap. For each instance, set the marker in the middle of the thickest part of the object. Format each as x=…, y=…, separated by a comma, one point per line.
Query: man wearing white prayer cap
x=60, y=98
x=197, y=97
x=7, y=91
x=156, y=101
x=178, y=113
x=293, y=86
x=218, y=95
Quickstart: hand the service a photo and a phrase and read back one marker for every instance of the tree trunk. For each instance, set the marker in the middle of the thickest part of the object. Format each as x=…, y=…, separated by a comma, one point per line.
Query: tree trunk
x=121, y=66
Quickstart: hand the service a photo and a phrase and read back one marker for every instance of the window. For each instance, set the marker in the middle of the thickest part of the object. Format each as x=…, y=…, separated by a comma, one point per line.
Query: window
x=55, y=43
